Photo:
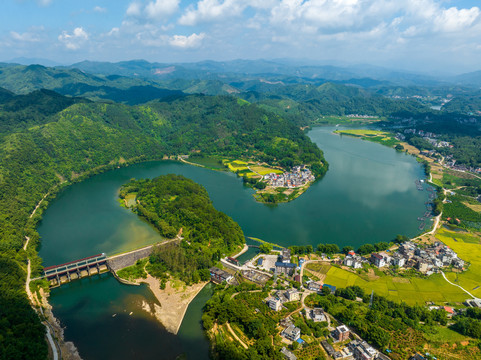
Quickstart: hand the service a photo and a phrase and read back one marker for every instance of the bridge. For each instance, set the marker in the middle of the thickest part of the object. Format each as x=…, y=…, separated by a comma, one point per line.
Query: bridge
x=64, y=273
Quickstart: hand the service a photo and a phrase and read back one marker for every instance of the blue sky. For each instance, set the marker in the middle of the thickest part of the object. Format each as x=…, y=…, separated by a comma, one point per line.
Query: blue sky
x=423, y=35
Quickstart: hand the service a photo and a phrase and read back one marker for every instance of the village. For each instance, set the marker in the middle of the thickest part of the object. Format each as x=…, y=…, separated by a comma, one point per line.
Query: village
x=431, y=138
x=298, y=176
x=293, y=287
x=338, y=340
x=427, y=260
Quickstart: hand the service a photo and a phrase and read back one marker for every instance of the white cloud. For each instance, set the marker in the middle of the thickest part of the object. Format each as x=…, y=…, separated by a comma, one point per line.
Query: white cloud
x=191, y=41
x=453, y=19
x=113, y=31
x=25, y=37
x=100, y=9
x=156, y=10
x=161, y=9
x=134, y=9
x=333, y=16
x=74, y=40
x=207, y=10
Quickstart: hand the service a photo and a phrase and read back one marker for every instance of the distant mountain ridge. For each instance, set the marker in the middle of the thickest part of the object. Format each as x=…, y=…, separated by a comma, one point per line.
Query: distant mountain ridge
x=22, y=79
x=212, y=69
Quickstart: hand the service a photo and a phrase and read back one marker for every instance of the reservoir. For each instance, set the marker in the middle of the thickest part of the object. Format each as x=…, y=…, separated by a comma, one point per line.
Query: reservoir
x=368, y=195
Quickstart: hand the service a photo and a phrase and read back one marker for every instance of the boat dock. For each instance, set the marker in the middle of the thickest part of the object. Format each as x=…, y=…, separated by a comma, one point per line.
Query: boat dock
x=419, y=185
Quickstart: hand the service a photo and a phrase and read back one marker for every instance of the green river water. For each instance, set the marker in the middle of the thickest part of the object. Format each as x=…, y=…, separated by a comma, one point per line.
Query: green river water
x=368, y=195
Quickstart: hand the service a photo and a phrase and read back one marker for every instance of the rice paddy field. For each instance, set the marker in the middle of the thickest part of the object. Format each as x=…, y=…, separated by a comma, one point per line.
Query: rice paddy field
x=249, y=169
x=417, y=290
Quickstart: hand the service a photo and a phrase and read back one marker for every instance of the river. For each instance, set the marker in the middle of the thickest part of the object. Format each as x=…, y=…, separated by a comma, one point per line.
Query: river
x=368, y=195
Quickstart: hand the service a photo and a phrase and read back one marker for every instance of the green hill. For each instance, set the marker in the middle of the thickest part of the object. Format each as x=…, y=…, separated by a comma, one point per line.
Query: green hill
x=73, y=82
x=173, y=202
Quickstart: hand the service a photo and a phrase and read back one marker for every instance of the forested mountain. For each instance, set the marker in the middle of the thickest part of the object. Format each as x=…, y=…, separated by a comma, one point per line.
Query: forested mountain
x=260, y=68
x=465, y=104
x=308, y=102
x=472, y=78
x=313, y=96
x=19, y=112
x=22, y=79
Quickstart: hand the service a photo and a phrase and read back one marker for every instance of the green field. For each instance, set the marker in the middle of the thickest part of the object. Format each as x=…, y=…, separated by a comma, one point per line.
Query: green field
x=377, y=136
x=250, y=170
x=469, y=250
x=263, y=170
x=210, y=162
x=333, y=119
x=434, y=288
x=409, y=290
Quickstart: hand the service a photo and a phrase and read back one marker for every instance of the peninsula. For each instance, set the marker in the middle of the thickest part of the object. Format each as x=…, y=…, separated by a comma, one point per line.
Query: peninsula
x=177, y=270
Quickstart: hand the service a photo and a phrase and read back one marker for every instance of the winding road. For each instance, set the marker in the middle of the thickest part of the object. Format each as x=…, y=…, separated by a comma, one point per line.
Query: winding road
x=467, y=292
x=50, y=339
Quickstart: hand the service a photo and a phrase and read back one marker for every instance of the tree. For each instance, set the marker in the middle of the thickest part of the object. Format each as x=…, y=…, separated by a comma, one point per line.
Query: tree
x=400, y=239
x=366, y=249
x=346, y=249
x=265, y=248
x=326, y=291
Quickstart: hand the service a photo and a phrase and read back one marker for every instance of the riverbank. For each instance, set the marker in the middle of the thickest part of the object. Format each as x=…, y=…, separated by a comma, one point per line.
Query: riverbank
x=174, y=301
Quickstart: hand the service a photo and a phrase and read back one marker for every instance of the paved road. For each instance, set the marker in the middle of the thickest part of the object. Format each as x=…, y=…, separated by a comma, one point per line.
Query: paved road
x=467, y=292
x=52, y=344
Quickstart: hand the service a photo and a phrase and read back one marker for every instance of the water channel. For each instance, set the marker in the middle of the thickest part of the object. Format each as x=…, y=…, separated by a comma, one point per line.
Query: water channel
x=368, y=195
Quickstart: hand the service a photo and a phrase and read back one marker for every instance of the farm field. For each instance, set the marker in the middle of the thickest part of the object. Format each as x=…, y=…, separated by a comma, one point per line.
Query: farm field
x=378, y=136
x=333, y=119
x=416, y=290
x=262, y=170
x=468, y=248
x=410, y=290
x=249, y=169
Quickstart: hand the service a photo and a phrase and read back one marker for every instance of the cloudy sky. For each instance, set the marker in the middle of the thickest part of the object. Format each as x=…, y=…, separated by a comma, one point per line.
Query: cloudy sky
x=424, y=35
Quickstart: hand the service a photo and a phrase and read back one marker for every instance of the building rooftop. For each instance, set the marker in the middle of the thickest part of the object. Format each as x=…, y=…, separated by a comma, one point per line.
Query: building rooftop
x=287, y=265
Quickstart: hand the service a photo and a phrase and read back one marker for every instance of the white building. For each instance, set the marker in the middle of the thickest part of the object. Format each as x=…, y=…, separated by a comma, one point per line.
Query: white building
x=292, y=295
x=274, y=304
x=292, y=333
x=317, y=315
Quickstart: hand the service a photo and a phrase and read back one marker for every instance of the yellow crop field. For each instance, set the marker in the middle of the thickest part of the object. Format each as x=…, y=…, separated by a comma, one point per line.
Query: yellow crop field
x=262, y=170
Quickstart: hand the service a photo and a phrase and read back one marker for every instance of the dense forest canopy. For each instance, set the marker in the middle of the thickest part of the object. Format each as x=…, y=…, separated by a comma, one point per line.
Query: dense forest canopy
x=178, y=206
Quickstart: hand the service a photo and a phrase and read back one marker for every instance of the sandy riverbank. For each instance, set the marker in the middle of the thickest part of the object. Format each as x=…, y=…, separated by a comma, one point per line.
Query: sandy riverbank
x=174, y=301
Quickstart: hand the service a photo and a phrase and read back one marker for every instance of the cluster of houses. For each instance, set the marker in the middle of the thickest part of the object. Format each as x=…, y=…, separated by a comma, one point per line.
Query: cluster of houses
x=357, y=116
x=355, y=349
x=283, y=264
x=348, y=349
x=409, y=255
x=426, y=135
x=298, y=176
x=280, y=297
x=451, y=163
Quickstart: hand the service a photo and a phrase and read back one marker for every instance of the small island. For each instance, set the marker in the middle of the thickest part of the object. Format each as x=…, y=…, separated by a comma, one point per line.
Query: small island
x=197, y=236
